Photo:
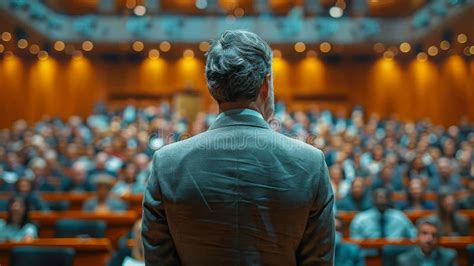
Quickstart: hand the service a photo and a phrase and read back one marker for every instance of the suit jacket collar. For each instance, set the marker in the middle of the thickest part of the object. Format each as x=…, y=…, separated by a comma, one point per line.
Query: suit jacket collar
x=236, y=118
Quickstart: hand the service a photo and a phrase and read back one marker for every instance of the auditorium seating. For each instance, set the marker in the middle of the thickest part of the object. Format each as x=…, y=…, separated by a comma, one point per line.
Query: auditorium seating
x=460, y=244
x=412, y=215
x=42, y=256
x=79, y=228
x=117, y=223
x=90, y=251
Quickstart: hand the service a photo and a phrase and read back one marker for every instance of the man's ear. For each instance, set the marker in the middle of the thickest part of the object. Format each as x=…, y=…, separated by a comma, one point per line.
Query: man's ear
x=264, y=89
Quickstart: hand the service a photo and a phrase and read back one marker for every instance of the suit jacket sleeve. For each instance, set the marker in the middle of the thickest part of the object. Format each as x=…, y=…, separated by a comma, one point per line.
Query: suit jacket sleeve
x=158, y=245
x=317, y=245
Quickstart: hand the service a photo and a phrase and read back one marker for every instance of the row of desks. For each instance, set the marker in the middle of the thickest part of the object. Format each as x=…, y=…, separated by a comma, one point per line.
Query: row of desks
x=97, y=251
x=412, y=215
x=118, y=223
x=77, y=199
x=89, y=251
x=457, y=243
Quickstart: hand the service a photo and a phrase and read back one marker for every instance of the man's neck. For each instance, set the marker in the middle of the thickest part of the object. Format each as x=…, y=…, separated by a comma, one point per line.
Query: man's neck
x=223, y=107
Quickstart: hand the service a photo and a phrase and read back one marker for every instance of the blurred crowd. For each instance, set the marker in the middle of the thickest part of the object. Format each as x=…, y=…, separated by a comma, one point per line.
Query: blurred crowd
x=369, y=159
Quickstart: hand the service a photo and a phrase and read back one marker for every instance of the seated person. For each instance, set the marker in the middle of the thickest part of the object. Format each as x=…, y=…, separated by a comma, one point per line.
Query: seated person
x=346, y=254
x=123, y=251
x=416, y=197
x=357, y=200
x=18, y=227
x=427, y=251
x=127, y=183
x=385, y=179
x=450, y=221
x=136, y=257
x=78, y=182
x=381, y=221
x=340, y=186
x=24, y=188
x=467, y=203
x=104, y=201
x=446, y=176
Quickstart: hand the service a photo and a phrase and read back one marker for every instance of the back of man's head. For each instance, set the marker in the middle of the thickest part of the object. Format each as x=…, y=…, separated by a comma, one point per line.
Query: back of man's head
x=237, y=64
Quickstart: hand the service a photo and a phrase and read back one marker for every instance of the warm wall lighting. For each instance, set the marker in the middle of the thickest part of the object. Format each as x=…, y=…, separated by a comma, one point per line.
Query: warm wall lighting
x=379, y=47
x=204, y=46
x=188, y=53
x=422, y=56
x=2, y=48
x=77, y=54
x=444, y=45
x=300, y=47
x=59, y=46
x=239, y=12
x=43, y=55
x=277, y=53
x=405, y=47
x=433, y=50
x=34, y=49
x=165, y=46
x=311, y=53
x=462, y=38
x=325, y=47
x=388, y=55
x=154, y=54
x=466, y=51
x=87, y=46
x=138, y=46
x=130, y=4
x=6, y=36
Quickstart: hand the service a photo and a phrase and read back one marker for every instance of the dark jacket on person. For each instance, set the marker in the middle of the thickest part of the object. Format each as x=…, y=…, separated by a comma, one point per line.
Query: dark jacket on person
x=238, y=194
x=440, y=256
x=348, y=203
x=461, y=225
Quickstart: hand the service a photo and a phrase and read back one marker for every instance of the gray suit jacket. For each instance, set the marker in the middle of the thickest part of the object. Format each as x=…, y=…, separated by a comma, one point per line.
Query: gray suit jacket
x=443, y=257
x=238, y=194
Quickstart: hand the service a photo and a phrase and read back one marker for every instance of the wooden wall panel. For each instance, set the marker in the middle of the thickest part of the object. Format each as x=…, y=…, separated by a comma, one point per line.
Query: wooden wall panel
x=443, y=91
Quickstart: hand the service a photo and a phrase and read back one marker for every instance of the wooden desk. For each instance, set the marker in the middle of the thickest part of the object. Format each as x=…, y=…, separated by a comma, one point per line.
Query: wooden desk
x=118, y=223
x=412, y=215
x=76, y=199
x=89, y=251
x=457, y=243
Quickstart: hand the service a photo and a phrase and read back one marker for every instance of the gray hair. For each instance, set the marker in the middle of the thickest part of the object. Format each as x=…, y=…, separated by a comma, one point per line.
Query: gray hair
x=237, y=64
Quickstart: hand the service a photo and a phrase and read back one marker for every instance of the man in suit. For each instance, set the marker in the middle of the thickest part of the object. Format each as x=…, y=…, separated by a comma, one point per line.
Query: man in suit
x=239, y=193
x=428, y=251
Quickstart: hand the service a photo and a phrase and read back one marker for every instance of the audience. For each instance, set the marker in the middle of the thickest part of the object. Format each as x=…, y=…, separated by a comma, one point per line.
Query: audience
x=104, y=201
x=428, y=251
x=339, y=185
x=467, y=203
x=346, y=254
x=136, y=257
x=381, y=221
x=24, y=188
x=109, y=153
x=17, y=227
x=127, y=183
x=450, y=221
x=358, y=199
x=416, y=197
